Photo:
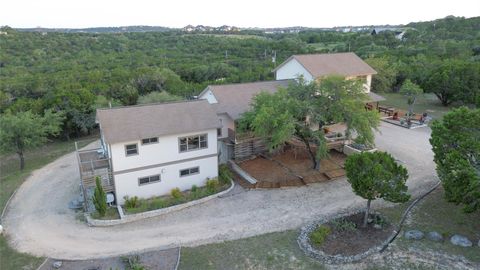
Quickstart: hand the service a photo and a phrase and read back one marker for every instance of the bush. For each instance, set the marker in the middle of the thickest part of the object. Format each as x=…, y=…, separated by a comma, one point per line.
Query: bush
x=342, y=224
x=176, y=193
x=319, y=235
x=224, y=174
x=131, y=202
x=212, y=185
x=194, y=189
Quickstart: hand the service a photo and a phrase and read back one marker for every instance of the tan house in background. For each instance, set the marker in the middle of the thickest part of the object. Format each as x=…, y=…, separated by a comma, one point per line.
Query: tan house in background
x=315, y=66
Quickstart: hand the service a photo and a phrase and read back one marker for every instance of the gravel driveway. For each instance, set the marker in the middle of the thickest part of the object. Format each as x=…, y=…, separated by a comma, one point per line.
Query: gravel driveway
x=38, y=220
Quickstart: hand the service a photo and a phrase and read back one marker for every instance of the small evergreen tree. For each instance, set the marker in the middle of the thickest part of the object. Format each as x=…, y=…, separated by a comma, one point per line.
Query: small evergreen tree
x=411, y=91
x=100, y=198
x=376, y=175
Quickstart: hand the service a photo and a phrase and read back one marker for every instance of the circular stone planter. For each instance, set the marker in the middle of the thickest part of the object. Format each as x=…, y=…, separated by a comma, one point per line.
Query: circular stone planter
x=303, y=241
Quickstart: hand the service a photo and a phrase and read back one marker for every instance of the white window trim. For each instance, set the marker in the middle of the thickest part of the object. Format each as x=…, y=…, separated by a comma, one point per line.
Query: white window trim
x=189, y=174
x=199, y=146
x=126, y=152
x=150, y=182
x=148, y=143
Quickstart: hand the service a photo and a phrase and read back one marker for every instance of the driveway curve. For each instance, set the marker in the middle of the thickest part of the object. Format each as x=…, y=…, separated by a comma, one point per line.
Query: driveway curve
x=39, y=222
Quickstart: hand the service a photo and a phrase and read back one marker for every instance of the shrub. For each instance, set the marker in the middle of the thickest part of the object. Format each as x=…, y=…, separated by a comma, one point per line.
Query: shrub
x=194, y=189
x=342, y=224
x=319, y=235
x=176, y=193
x=212, y=185
x=224, y=174
x=99, y=198
x=131, y=202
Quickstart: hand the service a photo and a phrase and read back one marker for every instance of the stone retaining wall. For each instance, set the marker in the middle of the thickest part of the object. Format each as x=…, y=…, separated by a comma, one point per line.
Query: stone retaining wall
x=154, y=213
x=303, y=241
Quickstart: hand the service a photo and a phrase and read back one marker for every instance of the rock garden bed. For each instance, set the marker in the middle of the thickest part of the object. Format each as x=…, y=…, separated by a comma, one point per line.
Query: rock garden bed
x=343, y=239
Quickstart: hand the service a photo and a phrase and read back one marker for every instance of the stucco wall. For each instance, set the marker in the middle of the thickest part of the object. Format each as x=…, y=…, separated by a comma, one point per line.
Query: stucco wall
x=227, y=123
x=127, y=183
x=166, y=150
x=292, y=70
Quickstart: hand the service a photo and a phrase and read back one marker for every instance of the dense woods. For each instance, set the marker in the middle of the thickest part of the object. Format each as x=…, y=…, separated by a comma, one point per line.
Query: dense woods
x=74, y=73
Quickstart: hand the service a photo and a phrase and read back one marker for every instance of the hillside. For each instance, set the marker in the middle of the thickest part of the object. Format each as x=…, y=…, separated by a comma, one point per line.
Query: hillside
x=77, y=72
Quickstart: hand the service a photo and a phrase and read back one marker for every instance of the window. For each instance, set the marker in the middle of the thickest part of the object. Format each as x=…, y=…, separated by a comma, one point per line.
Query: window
x=149, y=179
x=192, y=143
x=150, y=140
x=189, y=171
x=131, y=149
x=219, y=132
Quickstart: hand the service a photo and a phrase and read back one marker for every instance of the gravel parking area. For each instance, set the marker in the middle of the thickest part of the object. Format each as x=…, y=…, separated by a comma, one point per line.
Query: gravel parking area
x=38, y=220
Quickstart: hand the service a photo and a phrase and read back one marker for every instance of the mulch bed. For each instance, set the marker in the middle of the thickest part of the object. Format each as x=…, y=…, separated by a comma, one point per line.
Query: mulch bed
x=352, y=242
x=288, y=167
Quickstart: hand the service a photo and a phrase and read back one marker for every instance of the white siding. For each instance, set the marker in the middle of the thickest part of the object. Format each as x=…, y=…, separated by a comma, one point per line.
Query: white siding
x=209, y=96
x=293, y=70
x=368, y=84
x=166, y=150
x=227, y=123
x=127, y=183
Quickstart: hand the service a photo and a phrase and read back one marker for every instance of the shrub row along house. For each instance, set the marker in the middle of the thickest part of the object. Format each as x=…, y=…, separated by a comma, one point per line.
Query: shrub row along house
x=148, y=150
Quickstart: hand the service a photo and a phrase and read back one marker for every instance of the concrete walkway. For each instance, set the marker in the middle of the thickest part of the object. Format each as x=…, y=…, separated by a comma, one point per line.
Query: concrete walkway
x=38, y=220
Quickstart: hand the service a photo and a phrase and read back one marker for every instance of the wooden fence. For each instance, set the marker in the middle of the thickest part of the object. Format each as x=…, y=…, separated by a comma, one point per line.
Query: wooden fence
x=247, y=148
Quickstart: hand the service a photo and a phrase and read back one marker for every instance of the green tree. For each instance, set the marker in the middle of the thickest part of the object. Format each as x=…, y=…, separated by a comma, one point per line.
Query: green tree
x=156, y=97
x=303, y=109
x=386, y=75
x=411, y=91
x=99, y=198
x=129, y=95
x=456, y=145
x=376, y=175
x=25, y=130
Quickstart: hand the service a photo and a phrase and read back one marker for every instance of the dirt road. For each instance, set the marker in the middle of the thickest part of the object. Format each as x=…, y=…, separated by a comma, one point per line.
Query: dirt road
x=38, y=220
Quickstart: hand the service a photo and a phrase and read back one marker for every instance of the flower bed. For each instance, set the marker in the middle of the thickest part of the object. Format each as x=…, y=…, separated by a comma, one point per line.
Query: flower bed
x=176, y=197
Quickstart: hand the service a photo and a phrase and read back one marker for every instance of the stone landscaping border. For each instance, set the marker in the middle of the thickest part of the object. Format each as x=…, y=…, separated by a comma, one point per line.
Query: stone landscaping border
x=154, y=213
x=350, y=150
x=303, y=241
x=393, y=122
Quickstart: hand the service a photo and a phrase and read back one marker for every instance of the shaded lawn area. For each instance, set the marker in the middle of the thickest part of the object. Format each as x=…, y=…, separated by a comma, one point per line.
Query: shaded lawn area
x=434, y=213
x=269, y=251
x=11, y=178
x=427, y=102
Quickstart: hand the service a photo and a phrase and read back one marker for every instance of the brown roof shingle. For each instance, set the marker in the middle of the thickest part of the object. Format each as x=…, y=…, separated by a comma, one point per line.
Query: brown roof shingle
x=344, y=64
x=131, y=123
x=235, y=99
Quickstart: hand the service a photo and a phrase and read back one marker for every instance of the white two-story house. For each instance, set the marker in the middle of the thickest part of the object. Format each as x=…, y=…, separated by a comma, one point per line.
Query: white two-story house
x=155, y=148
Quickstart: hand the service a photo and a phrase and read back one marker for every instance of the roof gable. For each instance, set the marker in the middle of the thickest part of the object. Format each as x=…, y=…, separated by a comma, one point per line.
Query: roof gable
x=235, y=99
x=131, y=123
x=344, y=64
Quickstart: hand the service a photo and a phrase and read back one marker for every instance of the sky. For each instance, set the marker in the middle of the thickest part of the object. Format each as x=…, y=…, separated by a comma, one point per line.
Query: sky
x=244, y=13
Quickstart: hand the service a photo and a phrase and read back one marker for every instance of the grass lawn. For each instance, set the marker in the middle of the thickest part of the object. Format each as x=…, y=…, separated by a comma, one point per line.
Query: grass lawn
x=11, y=178
x=268, y=251
x=435, y=214
x=425, y=103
